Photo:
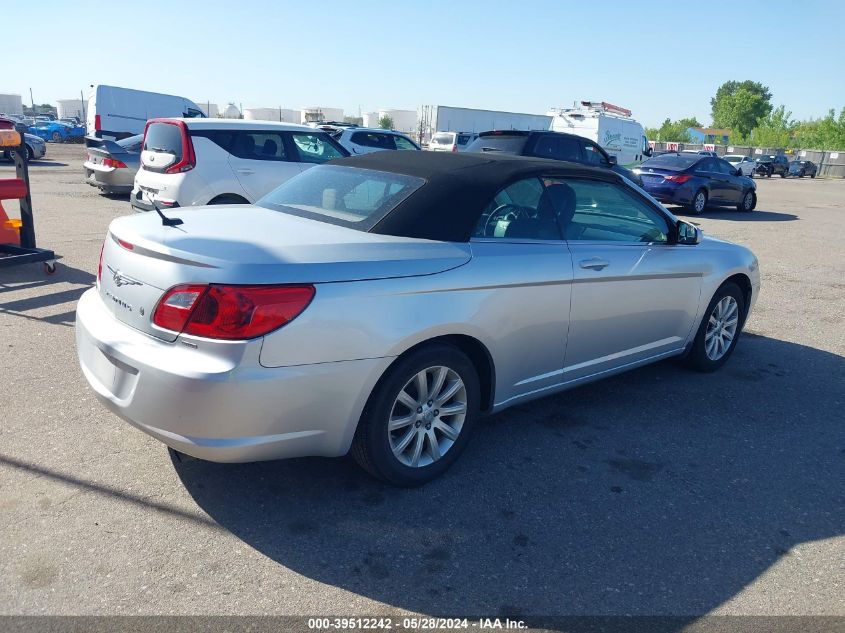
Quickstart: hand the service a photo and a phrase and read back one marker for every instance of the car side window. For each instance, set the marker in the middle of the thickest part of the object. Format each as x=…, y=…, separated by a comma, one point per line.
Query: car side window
x=313, y=148
x=373, y=139
x=523, y=210
x=258, y=145
x=608, y=212
x=704, y=166
x=724, y=167
x=592, y=154
x=403, y=144
x=558, y=148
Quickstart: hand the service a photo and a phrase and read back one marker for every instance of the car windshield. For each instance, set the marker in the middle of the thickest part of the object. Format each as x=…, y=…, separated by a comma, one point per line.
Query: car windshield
x=733, y=159
x=346, y=196
x=673, y=161
x=765, y=158
x=443, y=138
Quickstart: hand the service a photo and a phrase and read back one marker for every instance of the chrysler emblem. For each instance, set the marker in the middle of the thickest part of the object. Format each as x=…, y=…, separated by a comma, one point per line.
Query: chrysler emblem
x=122, y=280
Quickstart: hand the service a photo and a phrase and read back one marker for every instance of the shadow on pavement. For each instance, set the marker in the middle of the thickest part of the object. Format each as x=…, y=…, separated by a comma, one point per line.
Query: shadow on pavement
x=658, y=492
x=19, y=279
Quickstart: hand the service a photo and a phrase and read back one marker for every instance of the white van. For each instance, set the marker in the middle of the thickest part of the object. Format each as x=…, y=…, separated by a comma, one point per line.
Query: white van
x=117, y=113
x=608, y=125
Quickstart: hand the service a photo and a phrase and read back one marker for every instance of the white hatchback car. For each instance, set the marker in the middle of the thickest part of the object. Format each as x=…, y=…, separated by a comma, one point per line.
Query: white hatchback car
x=744, y=163
x=366, y=141
x=194, y=162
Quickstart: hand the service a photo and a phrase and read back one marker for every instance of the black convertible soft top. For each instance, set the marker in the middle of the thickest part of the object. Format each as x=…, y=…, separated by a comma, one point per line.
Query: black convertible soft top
x=457, y=187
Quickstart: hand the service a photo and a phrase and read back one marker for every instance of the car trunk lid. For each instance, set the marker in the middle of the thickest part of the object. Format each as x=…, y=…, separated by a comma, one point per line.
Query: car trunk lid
x=240, y=244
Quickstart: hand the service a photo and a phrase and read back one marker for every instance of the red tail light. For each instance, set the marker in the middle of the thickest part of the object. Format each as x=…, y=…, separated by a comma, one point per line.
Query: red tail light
x=230, y=312
x=680, y=178
x=455, y=148
x=97, y=125
x=113, y=162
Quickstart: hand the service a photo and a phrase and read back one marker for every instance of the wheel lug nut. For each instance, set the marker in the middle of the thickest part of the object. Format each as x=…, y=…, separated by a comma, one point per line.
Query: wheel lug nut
x=429, y=403
x=437, y=412
x=419, y=409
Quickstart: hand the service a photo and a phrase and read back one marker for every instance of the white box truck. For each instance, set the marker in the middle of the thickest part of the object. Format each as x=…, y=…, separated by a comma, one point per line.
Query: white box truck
x=450, y=119
x=608, y=125
x=117, y=113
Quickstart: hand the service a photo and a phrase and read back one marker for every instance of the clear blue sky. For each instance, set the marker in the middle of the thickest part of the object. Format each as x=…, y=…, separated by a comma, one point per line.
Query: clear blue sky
x=659, y=58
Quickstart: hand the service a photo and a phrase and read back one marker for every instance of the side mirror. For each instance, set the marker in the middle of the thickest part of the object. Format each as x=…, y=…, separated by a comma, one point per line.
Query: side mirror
x=687, y=233
x=738, y=172
x=612, y=159
x=648, y=151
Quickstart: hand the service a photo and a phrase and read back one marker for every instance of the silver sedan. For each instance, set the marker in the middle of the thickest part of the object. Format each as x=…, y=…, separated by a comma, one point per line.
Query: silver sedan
x=379, y=304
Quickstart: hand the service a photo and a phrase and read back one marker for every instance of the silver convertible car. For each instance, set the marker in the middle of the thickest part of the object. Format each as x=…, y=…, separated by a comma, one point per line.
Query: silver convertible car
x=379, y=304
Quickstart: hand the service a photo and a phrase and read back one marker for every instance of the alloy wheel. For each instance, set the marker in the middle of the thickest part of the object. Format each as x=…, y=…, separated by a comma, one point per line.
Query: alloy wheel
x=699, y=202
x=427, y=416
x=748, y=201
x=721, y=328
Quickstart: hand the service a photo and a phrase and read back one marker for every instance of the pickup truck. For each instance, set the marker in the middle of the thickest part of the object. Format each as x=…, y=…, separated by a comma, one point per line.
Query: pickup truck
x=769, y=165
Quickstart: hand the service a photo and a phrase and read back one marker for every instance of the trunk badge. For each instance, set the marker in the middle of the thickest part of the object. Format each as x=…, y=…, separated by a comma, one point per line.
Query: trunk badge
x=120, y=279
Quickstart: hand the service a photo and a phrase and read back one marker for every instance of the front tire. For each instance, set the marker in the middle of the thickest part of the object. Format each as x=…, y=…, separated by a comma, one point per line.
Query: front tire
x=699, y=202
x=719, y=331
x=57, y=138
x=748, y=202
x=419, y=417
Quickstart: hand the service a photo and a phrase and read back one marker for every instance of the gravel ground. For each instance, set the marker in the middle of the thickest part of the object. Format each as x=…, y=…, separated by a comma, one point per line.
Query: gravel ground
x=658, y=492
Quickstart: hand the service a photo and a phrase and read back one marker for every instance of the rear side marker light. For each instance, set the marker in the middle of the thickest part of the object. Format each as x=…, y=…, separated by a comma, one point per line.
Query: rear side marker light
x=680, y=178
x=230, y=312
x=125, y=244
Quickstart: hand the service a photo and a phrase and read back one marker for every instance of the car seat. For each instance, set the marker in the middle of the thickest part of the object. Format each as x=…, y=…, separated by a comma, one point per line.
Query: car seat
x=555, y=211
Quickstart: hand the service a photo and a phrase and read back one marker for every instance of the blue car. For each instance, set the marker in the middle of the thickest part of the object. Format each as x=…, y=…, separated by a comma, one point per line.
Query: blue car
x=58, y=132
x=696, y=181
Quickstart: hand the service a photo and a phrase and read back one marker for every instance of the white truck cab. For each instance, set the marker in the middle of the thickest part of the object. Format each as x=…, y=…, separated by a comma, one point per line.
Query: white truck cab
x=612, y=127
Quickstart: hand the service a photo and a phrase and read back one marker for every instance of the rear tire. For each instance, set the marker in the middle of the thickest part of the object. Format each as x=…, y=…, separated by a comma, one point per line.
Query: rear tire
x=389, y=454
x=57, y=138
x=706, y=354
x=699, y=202
x=783, y=174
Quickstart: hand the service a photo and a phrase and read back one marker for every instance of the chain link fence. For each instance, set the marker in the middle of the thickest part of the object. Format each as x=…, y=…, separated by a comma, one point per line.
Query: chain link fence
x=830, y=164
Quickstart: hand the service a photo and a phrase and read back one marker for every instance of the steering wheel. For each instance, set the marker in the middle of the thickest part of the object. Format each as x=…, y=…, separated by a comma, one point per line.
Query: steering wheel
x=509, y=212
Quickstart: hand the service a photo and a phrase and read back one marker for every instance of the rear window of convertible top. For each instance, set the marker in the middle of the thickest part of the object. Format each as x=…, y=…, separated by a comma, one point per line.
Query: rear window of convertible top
x=346, y=196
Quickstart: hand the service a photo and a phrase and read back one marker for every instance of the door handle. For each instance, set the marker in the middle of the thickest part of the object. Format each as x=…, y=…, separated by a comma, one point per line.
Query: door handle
x=594, y=264
x=244, y=170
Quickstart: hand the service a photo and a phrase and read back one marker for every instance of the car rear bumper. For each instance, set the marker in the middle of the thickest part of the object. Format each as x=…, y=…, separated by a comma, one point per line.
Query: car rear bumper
x=109, y=180
x=217, y=402
x=671, y=195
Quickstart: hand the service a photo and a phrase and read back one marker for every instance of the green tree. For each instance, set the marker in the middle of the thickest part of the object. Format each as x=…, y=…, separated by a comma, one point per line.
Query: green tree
x=675, y=131
x=385, y=123
x=740, y=105
x=775, y=130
